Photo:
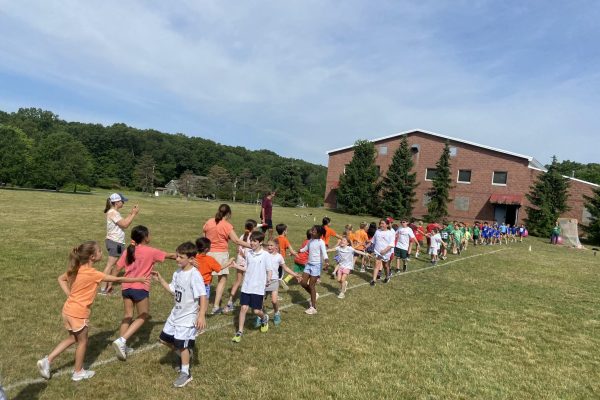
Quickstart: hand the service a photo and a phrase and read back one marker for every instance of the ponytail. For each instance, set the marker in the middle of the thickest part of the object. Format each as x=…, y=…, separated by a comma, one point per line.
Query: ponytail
x=77, y=257
x=224, y=210
x=138, y=235
x=108, y=205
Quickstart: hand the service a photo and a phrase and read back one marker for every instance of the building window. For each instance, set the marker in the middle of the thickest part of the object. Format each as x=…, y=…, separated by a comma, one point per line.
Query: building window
x=452, y=151
x=464, y=176
x=500, y=178
x=382, y=150
x=430, y=174
x=461, y=203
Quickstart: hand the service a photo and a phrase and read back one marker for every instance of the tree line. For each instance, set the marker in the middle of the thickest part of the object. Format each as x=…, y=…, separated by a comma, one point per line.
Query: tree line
x=363, y=191
x=38, y=149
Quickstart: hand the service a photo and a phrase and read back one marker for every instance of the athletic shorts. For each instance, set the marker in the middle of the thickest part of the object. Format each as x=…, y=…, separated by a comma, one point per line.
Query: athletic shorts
x=114, y=249
x=432, y=251
x=222, y=257
x=273, y=286
x=74, y=324
x=254, y=301
x=298, y=268
x=312, y=269
x=342, y=271
x=207, y=287
x=181, y=337
x=401, y=253
x=135, y=294
x=268, y=225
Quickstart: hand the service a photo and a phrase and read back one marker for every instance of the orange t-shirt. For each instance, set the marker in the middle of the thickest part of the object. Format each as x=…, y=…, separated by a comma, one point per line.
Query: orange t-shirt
x=83, y=292
x=360, y=239
x=302, y=258
x=218, y=234
x=284, y=244
x=328, y=233
x=206, y=265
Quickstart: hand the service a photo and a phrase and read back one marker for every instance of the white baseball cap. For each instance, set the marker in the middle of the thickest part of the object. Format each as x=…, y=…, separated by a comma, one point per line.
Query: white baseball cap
x=117, y=197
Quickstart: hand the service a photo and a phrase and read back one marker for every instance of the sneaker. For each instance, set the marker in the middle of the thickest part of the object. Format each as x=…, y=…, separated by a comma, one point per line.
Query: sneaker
x=363, y=269
x=417, y=254
x=404, y=268
x=228, y=308
x=386, y=279
x=341, y=295
x=257, y=322
x=182, y=380
x=237, y=338
x=217, y=310
x=83, y=374
x=277, y=319
x=128, y=350
x=283, y=284
x=44, y=367
x=120, y=349
x=264, y=325
x=372, y=283
x=311, y=311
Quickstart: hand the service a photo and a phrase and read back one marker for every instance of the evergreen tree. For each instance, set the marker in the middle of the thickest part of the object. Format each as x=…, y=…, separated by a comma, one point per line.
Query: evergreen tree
x=358, y=184
x=593, y=206
x=439, y=194
x=548, y=196
x=398, y=186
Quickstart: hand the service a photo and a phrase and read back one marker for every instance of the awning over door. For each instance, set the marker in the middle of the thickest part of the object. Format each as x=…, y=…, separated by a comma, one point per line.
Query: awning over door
x=510, y=199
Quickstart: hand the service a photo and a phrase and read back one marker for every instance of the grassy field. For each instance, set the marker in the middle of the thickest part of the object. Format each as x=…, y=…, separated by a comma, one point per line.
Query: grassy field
x=497, y=322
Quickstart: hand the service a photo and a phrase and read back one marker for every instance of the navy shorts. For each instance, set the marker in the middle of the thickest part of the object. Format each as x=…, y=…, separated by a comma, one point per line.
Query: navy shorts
x=255, y=301
x=177, y=343
x=135, y=294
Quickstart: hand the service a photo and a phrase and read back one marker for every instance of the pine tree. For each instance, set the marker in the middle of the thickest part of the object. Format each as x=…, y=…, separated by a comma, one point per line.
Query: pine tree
x=592, y=204
x=358, y=184
x=439, y=194
x=548, y=195
x=398, y=186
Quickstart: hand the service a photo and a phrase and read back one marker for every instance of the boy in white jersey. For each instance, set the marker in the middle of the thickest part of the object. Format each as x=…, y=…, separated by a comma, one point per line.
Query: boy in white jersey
x=317, y=253
x=187, y=316
x=404, y=236
x=345, y=258
x=258, y=275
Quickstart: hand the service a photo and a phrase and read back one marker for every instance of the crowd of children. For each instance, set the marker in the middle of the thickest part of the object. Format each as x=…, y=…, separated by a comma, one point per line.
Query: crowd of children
x=261, y=270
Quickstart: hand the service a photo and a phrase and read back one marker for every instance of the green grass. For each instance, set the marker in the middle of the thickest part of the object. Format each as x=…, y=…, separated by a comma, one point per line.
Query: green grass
x=491, y=324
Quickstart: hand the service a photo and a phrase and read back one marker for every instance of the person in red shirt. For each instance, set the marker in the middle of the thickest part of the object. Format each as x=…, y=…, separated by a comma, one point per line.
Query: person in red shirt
x=266, y=214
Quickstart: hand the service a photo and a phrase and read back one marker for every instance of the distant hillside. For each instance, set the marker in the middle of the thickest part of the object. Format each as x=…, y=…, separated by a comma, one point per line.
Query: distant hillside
x=38, y=149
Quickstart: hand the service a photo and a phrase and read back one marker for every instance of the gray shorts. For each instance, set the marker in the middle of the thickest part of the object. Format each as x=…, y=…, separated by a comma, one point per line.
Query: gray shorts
x=273, y=285
x=114, y=249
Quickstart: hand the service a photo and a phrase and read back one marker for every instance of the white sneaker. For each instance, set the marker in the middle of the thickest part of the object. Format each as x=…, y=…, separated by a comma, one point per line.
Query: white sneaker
x=120, y=349
x=44, y=367
x=341, y=295
x=311, y=311
x=83, y=374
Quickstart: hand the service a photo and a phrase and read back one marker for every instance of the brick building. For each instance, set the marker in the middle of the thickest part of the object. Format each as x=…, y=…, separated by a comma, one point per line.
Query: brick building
x=489, y=184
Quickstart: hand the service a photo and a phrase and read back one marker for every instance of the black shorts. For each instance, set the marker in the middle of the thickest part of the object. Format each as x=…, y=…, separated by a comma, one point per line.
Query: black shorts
x=135, y=294
x=254, y=301
x=401, y=253
x=268, y=225
x=177, y=343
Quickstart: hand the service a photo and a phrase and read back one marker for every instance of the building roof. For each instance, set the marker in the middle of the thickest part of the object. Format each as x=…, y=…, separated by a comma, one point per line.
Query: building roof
x=532, y=161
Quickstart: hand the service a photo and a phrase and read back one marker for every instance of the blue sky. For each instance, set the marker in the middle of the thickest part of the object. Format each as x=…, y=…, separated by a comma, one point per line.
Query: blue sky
x=303, y=77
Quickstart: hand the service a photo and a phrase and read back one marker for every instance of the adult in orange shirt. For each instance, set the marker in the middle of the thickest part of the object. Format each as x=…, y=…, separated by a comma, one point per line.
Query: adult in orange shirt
x=80, y=284
x=206, y=264
x=220, y=232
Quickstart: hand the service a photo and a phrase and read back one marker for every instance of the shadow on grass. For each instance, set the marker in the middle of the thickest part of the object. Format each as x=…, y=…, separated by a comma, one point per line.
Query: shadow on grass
x=32, y=391
x=142, y=336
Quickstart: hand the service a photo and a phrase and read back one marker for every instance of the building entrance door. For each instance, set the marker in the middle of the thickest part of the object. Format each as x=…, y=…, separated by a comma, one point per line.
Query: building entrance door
x=500, y=213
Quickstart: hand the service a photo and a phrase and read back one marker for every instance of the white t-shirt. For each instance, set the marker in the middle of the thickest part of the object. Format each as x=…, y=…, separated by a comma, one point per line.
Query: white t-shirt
x=403, y=236
x=257, y=265
x=345, y=257
x=435, y=242
x=188, y=286
x=383, y=239
x=316, y=251
x=114, y=231
x=276, y=261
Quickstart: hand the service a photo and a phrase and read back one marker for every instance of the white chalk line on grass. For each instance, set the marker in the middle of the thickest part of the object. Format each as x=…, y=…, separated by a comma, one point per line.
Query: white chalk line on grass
x=153, y=346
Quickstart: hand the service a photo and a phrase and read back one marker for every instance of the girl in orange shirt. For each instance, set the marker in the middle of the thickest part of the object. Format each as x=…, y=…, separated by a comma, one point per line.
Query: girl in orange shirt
x=80, y=284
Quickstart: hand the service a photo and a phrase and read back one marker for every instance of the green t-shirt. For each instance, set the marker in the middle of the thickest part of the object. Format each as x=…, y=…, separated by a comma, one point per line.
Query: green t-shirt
x=458, y=234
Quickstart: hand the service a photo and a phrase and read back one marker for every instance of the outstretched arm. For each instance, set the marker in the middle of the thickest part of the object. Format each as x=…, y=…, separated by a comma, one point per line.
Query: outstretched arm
x=64, y=285
x=158, y=277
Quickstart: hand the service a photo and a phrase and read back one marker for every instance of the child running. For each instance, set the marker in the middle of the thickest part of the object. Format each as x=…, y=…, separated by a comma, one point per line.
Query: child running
x=317, y=253
x=404, y=237
x=80, y=283
x=435, y=242
x=187, y=317
x=206, y=264
x=300, y=260
x=138, y=260
x=276, y=263
x=258, y=274
x=345, y=256
x=383, y=245
x=249, y=227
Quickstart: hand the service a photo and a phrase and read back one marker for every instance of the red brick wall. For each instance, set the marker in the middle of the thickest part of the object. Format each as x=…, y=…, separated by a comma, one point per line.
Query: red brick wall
x=482, y=163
